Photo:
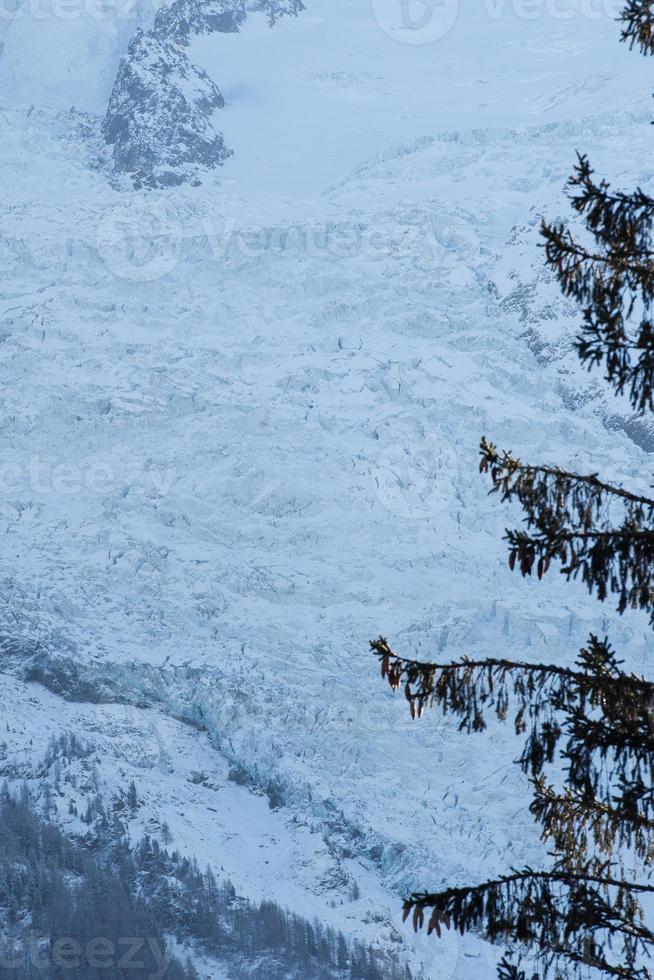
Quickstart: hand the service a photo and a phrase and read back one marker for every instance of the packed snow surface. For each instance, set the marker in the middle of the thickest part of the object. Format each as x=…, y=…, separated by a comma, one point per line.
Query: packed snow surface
x=240, y=421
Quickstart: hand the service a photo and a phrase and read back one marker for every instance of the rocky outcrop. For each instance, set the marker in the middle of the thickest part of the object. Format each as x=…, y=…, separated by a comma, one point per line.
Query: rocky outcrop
x=274, y=9
x=182, y=19
x=159, y=115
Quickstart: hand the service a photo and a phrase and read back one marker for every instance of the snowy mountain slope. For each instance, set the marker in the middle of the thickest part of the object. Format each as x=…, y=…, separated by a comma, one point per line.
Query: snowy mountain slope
x=182, y=782
x=370, y=94
x=241, y=420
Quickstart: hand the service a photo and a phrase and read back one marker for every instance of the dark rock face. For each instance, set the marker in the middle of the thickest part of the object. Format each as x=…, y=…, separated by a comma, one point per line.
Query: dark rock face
x=183, y=18
x=274, y=9
x=158, y=118
x=159, y=115
x=639, y=428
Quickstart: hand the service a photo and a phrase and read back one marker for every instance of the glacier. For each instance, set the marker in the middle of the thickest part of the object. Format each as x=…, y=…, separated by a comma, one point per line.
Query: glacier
x=240, y=423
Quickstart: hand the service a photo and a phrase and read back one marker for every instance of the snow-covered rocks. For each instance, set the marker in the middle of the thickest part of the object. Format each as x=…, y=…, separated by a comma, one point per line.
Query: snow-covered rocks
x=183, y=18
x=159, y=115
x=274, y=9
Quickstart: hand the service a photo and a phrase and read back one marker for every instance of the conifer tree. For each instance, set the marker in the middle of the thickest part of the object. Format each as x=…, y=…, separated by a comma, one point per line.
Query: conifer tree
x=588, y=729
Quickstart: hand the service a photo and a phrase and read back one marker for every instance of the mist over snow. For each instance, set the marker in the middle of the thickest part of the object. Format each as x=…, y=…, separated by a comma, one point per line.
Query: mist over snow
x=240, y=410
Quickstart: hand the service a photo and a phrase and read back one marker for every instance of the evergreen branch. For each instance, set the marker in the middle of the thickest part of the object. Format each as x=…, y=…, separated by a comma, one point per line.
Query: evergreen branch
x=613, y=561
x=504, y=467
x=570, y=818
x=639, y=30
x=596, y=962
x=430, y=899
x=427, y=683
x=605, y=713
x=560, y=244
x=610, y=282
x=580, y=915
x=604, y=339
x=383, y=650
x=554, y=912
x=570, y=515
x=619, y=221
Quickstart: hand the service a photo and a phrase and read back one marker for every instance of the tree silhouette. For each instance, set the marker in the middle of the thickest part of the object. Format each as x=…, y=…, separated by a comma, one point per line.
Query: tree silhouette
x=588, y=729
